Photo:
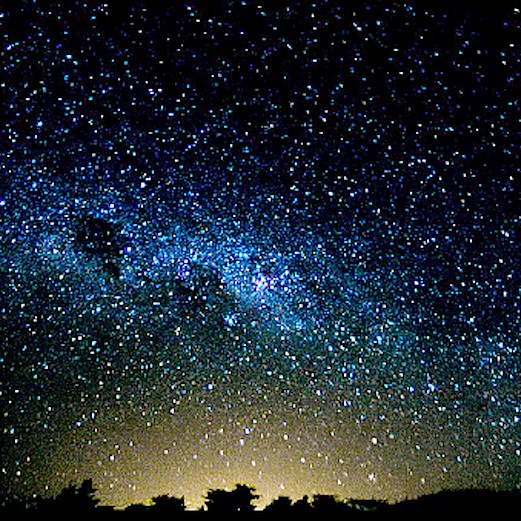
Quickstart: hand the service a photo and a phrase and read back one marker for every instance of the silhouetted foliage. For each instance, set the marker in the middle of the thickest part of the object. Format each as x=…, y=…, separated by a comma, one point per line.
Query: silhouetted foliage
x=137, y=508
x=168, y=504
x=280, y=505
x=82, y=497
x=70, y=500
x=240, y=501
x=367, y=505
x=328, y=504
x=462, y=502
x=302, y=506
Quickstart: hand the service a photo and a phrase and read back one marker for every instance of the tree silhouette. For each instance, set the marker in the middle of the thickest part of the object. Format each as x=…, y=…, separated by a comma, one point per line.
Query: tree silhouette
x=280, y=505
x=137, y=509
x=240, y=499
x=302, y=506
x=328, y=504
x=165, y=504
x=81, y=500
x=367, y=505
x=73, y=498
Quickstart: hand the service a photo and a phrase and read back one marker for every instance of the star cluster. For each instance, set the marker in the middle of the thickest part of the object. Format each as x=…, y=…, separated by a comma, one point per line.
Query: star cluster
x=275, y=244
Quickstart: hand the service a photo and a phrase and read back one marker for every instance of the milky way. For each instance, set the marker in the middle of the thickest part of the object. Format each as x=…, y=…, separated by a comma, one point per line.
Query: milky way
x=273, y=245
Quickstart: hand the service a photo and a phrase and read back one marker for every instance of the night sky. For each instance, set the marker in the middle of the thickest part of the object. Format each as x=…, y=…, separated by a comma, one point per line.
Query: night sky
x=274, y=243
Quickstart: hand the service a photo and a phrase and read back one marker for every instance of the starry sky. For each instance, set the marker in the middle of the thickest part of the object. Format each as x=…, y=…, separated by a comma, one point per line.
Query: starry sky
x=274, y=243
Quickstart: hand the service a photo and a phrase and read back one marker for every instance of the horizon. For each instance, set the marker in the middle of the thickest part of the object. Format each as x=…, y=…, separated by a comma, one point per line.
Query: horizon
x=260, y=503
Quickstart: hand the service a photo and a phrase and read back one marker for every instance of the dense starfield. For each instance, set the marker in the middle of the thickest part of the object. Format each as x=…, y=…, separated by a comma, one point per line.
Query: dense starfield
x=274, y=243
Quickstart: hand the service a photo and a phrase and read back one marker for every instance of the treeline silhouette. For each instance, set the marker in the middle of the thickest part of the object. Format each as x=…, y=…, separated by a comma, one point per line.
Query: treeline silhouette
x=240, y=501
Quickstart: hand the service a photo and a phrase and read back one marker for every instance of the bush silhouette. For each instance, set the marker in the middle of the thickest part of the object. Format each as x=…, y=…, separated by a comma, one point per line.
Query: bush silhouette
x=71, y=499
x=302, y=506
x=78, y=498
x=280, y=505
x=82, y=500
x=239, y=500
x=165, y=504
x=328, y=504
